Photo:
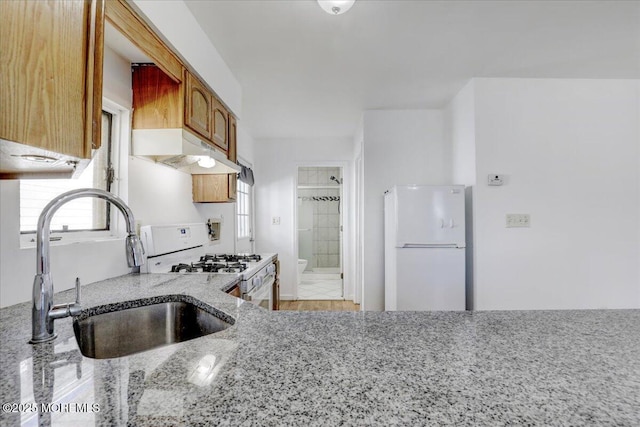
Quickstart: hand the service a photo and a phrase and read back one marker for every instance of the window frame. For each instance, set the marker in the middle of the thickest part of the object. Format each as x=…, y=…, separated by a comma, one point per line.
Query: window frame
x=243, y=210
x=118, y=134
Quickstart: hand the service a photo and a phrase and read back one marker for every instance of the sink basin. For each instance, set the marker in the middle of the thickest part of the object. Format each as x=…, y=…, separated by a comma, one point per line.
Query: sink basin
x=146, y=325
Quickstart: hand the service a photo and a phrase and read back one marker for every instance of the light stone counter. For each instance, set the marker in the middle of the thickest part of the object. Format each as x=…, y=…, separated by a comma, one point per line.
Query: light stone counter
x=542, y=368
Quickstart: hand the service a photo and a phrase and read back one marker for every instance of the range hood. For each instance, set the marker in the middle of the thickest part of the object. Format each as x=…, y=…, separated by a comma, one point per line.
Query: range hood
x=179, y=149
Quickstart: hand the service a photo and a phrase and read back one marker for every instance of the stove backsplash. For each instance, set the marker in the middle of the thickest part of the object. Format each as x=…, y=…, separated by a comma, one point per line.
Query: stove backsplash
x=159, y=194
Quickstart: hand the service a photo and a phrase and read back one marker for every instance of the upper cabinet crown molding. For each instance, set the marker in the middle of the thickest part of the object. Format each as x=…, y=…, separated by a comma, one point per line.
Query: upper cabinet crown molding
x=50, y=82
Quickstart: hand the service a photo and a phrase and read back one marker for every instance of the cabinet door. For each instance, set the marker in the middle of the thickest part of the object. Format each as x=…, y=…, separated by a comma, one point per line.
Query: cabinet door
x=198, y=106
x=210, y=188
x=232, y=154
x=233, y=186
x=220, y=126
x=51, y=78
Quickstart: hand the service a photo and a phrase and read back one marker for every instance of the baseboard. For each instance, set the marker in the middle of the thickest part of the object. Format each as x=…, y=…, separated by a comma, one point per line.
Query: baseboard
x=286, y=297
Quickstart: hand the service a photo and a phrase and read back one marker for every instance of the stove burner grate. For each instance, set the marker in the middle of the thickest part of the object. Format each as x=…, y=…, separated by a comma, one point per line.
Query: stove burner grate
x=208, y=265
x=231, y=257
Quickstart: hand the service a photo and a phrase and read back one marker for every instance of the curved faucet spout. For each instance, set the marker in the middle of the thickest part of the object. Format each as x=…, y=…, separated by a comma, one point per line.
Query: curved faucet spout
x=134, y=249
x=43, y=313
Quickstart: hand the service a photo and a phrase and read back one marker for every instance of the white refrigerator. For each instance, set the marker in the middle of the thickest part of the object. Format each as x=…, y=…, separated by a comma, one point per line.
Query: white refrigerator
x=424, y=241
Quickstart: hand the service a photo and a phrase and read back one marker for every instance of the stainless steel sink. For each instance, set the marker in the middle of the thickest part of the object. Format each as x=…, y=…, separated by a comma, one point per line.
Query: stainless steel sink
x=132, y=330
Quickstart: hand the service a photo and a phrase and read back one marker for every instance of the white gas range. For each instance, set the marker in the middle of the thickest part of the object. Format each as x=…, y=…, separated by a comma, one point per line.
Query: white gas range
x=184, y=249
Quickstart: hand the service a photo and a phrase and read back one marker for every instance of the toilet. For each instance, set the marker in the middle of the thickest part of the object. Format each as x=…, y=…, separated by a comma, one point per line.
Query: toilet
x=302, y=264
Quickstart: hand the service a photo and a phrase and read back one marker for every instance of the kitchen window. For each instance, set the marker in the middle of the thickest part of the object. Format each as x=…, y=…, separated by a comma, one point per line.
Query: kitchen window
x=83, y=214
x=244, y=210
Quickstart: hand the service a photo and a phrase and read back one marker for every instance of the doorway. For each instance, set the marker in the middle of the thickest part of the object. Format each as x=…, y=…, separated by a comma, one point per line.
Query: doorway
x=320, y=242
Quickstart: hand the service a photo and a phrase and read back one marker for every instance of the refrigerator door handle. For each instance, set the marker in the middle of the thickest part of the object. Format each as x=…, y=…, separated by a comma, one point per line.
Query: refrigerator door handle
x=430, y=245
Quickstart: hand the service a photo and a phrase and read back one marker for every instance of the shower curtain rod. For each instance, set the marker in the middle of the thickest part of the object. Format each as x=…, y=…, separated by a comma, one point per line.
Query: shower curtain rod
x=320, y=198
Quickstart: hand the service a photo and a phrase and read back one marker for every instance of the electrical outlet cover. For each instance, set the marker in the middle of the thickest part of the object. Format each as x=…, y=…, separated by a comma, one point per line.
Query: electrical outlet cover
x=495, y=179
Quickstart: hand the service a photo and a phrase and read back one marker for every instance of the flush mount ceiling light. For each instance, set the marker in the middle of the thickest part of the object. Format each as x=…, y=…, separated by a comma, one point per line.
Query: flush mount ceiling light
x=336, y=7
x=206, y=162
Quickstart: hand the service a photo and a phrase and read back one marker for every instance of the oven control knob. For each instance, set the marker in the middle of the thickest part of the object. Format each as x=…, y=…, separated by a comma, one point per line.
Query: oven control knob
x=271, y=269
x=257, y=282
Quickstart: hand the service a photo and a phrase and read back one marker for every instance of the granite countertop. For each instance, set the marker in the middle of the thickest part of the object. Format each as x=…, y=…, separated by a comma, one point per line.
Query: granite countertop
x=330, y=368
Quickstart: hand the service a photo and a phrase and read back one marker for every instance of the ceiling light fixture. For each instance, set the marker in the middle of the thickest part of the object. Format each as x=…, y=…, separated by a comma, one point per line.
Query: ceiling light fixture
x=206, y=162
x=336, y=7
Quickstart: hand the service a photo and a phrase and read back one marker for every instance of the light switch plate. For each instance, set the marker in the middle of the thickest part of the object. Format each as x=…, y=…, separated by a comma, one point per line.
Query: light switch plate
x=275, y=220
x=518, y=220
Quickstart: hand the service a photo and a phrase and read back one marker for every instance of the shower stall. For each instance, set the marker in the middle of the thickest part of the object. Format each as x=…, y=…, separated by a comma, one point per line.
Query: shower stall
x=319, y=209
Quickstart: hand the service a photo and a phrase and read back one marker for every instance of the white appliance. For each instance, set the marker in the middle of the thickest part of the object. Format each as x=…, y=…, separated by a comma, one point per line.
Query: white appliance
x=183, y=249
x=424, y=235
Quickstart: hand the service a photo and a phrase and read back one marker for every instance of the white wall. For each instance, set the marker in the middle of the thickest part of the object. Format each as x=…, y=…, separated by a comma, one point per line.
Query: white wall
x=245, y=144
x=460, y=129
x=275, y=190
x=570, y=150
x=461, y=134
x=400, y=147
x=179, y=27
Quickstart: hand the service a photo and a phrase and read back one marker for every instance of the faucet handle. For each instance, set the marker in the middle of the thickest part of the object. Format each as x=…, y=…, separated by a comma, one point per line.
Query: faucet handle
x=77, y=290
x=68, y=309
x=74, y=309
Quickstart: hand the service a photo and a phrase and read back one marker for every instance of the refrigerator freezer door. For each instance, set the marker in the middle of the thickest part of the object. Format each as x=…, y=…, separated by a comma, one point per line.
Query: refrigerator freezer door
x=429, y=215
x=430, y=279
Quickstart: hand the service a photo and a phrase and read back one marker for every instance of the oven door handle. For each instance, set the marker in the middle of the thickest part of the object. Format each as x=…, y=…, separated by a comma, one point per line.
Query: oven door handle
x=268, y=280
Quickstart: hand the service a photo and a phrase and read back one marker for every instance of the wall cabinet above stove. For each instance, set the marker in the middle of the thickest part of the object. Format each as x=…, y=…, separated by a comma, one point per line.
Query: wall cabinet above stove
x=161, y=103
x=214, y=188
x=50, y=86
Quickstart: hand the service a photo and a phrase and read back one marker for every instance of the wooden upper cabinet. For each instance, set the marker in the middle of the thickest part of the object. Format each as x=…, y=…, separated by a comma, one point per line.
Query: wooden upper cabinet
x=198, y=106
x=157, y=99
x=232, y=153
x=220, y=126
x=214, y=188
x=51, y=74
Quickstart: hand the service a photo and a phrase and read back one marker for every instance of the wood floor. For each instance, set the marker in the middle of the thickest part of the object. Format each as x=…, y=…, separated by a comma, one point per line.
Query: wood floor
x=319, y=305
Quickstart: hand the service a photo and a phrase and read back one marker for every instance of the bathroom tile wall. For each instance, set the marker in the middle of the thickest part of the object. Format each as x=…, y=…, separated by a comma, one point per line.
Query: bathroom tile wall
x=326, y=217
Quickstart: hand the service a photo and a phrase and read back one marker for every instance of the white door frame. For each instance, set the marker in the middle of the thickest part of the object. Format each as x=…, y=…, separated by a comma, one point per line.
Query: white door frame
x=345, y=259
x=358, y=225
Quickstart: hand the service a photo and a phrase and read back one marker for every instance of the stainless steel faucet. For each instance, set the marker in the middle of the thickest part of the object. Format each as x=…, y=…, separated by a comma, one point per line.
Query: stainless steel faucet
x=43, y=311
